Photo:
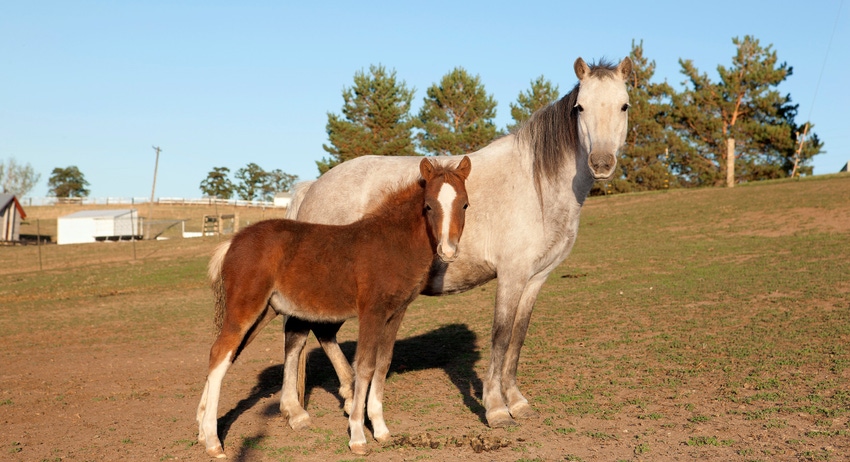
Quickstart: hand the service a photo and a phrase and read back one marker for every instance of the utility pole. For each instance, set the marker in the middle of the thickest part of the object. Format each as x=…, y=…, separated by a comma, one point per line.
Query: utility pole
x=153, y=189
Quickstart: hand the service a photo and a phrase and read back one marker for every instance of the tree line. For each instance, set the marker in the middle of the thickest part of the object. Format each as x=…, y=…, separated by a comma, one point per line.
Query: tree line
x=675, y=139
x=737, y=128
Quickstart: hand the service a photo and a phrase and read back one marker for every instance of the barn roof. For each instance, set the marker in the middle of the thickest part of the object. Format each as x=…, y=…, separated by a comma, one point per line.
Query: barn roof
x=99, y=213
x=6, y=199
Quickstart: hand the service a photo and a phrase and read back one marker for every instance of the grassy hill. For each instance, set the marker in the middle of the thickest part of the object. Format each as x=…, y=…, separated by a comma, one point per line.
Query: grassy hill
x=706, y=324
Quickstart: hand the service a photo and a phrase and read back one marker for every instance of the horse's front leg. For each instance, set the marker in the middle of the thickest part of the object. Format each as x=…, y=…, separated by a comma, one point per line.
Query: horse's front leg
x=508, y=294
x=382, y=366
x=295, y=337
x=326, y=334
x=517, y=403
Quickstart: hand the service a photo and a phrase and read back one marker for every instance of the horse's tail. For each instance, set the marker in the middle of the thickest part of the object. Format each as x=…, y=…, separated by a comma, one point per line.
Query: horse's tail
x=214, y=273
x=298, y=193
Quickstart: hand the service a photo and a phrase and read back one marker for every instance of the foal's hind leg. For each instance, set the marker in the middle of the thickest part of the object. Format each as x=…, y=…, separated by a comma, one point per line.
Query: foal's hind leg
x=295, y=337
x=224, y=350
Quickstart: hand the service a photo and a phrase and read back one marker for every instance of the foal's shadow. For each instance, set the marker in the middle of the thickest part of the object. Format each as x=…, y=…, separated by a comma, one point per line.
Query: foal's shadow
x=450, y=347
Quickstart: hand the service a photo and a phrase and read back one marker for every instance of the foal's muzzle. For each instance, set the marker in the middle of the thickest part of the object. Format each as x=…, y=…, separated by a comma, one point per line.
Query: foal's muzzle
x=447, y=255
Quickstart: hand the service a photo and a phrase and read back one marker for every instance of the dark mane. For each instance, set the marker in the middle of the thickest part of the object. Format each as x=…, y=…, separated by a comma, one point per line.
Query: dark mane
x=552, y=133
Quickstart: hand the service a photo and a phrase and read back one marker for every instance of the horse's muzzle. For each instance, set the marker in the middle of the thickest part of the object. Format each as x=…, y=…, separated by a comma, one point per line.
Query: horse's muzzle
x=602, y=165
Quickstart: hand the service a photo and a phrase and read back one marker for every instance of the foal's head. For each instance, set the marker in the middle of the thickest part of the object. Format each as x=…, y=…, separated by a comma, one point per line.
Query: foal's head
x=445, y=204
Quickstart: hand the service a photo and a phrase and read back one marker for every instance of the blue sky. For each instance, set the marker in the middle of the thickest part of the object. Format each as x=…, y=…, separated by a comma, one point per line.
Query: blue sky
x=213, y=83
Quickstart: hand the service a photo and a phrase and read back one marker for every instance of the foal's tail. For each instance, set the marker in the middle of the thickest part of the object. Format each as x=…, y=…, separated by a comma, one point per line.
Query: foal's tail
x=214, y=273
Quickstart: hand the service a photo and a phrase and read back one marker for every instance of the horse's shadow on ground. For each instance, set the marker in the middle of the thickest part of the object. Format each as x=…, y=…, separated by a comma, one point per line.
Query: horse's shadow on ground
x=450, y=347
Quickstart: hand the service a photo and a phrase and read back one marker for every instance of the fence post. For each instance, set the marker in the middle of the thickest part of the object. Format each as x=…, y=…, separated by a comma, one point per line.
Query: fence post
x=38, y=240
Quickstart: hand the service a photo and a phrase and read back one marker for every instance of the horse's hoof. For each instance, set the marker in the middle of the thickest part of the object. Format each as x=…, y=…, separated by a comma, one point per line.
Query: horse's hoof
x=360, y=449
x=384, y=438
x=523, y=411
x=301, y=422
x=500, y=419
x=216, y=452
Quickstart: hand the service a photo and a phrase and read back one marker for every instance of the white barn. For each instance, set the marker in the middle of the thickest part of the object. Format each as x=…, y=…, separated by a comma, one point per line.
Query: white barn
x=98, y=225
x=282, y=199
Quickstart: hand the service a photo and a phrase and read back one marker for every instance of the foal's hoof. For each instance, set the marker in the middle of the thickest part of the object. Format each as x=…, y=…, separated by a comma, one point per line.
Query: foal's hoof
x=523, y=411
x=500, y=418
x=360, y=449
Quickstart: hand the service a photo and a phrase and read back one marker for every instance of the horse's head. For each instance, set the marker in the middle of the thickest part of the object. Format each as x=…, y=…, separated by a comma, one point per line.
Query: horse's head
x=602, y=110
x=445, y=204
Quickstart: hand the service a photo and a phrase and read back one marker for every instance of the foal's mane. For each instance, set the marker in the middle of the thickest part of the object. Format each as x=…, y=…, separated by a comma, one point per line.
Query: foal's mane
x=399, y=199
x=552, y=131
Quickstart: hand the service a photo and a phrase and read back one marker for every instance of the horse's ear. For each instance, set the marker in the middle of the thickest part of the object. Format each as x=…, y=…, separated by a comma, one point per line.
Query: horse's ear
x=581, y=68
x=426, y=168
x=625, y=68
x=464, y=167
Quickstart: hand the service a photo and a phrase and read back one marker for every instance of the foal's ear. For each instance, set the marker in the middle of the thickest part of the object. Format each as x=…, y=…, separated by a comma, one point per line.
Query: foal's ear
x=581, y=68
x=426, y=168
x=464, y=167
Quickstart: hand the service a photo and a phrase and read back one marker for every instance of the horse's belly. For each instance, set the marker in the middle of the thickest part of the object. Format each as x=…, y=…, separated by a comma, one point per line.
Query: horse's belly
x=457, y=277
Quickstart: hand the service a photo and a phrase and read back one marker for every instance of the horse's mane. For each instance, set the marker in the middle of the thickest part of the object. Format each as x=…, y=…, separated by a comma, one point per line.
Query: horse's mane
x=552, y=132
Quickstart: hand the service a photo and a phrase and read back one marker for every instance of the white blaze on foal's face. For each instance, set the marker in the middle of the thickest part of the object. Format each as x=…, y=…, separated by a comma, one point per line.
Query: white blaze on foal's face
x=446, y=198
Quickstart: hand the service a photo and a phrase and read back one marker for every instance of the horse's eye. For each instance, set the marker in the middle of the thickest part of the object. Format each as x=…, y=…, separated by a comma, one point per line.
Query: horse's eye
x=579, y=108
x=626, y=107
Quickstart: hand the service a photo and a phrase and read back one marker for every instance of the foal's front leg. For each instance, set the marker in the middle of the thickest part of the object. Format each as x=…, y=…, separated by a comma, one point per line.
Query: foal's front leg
x=384, y=357
x=364, y=370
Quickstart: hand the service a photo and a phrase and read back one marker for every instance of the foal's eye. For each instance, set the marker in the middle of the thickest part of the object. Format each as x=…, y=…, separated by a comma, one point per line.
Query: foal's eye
x=626, y=107
x=579, y=108
x=427, y=208
x=465, y=206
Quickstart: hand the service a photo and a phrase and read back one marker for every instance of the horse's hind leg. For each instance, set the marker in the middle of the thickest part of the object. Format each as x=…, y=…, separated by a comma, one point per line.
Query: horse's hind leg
x=326, y=334
x=295, y=337
x=382, y=366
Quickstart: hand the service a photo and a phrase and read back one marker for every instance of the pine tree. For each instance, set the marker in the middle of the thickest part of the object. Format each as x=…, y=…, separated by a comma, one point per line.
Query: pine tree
x=541, y=94
x=743, y=106
x=375, y=119
x=457, y=115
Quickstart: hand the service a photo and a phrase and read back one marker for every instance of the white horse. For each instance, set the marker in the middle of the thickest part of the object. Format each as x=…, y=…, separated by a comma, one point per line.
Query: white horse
x=519, y=227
